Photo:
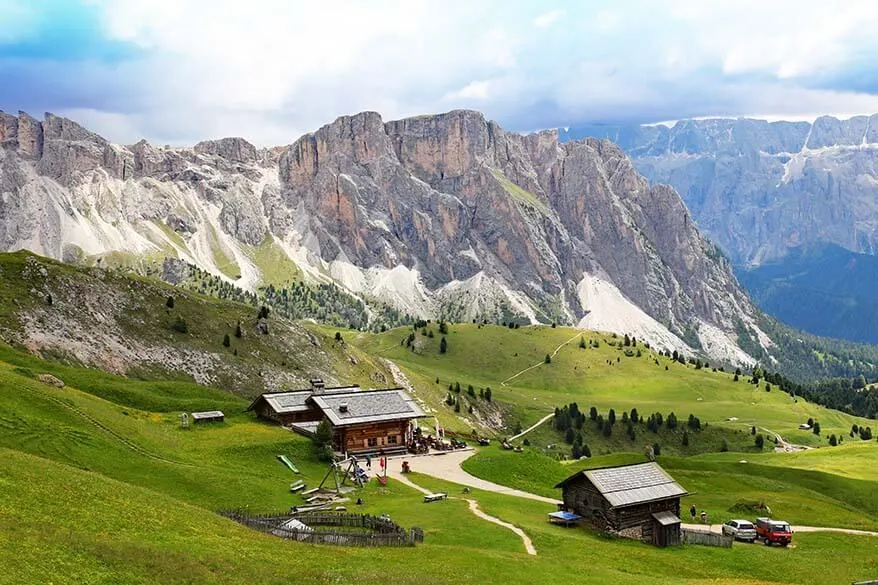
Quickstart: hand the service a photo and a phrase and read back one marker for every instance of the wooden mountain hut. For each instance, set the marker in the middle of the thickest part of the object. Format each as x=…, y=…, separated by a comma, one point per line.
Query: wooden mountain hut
x=638, y=501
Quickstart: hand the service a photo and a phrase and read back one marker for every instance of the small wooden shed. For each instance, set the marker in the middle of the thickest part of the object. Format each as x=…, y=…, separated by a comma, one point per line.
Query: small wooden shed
x=208, y=416
x=638, y=501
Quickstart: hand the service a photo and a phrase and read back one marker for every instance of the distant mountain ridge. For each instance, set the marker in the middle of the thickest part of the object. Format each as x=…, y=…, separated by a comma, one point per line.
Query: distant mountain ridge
x=442, y=216
x=760, y=188
x=764, y=192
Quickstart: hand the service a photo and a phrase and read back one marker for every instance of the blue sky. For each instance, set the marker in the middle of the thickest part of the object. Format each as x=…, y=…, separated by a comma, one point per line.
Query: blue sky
x=179, y=71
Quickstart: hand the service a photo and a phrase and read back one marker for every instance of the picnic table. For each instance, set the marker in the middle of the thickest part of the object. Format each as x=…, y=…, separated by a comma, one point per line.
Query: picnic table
x=435, y=497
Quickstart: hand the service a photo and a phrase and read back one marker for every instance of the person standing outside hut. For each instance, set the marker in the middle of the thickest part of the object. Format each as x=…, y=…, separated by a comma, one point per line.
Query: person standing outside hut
x=368, y=462
x=693, y=511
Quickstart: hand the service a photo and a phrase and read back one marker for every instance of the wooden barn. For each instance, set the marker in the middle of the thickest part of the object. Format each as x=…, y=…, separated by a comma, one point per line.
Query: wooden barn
x=362, y=421
x=638, y=501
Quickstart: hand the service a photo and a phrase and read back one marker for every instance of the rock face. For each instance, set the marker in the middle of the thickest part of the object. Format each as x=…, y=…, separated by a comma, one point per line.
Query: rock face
x=446, y=215
x=760, y=189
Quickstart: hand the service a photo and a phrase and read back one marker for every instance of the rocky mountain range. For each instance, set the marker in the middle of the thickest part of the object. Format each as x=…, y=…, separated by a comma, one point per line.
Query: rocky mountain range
x=773, y=196
x=441, y=216
x=759, y=189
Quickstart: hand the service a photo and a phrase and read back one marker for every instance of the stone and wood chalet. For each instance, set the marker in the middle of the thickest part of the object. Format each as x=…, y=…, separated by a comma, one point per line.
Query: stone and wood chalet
x=638, y=501
x=362, y=421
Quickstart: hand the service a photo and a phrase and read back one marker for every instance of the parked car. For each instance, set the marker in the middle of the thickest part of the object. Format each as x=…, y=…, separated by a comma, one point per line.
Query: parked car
x=773, y=531
x=740, y=529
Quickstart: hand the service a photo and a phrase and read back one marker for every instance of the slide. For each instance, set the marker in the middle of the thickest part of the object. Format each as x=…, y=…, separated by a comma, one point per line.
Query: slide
x=283, y=459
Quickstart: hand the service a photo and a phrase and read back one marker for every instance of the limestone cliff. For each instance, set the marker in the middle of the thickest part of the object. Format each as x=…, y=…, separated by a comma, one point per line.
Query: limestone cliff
x=440, y=215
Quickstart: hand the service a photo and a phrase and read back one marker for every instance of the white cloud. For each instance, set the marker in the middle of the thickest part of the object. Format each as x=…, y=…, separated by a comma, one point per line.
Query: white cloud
x=475, y=90
x=547, y=19
x=278, y=68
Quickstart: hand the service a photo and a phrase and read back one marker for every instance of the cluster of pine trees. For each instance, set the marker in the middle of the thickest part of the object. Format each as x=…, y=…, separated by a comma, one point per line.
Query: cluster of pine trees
x=570, y=421
x=453, y=398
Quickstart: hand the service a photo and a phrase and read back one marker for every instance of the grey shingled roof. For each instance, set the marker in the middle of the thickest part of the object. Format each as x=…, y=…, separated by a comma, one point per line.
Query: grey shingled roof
x=207, y=414
x=296, y=400
x=631, y=484
x=367, y=407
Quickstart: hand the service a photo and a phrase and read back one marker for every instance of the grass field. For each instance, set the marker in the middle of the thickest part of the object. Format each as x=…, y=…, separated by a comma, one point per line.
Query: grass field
x=486, y=356
x=100, y=483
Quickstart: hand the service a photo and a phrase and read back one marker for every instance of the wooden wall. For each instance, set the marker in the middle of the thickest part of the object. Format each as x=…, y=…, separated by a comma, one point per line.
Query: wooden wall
x=356, y=437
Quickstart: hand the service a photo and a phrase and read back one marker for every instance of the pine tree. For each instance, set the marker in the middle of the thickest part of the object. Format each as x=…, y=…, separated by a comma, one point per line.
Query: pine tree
x=170, y=303
x=238, y=333
x=685, y=438
x=443, y=346
x=548, y=359
x=323, y=441
x=488, y=394
x=833, y=440
x=611, y=416
x=581, y=342
x=227, y=341
x=593, y=413
x=760, y=441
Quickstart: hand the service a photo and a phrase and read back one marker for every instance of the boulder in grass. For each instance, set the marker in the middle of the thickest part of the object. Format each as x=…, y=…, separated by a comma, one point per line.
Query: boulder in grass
x=51, y=380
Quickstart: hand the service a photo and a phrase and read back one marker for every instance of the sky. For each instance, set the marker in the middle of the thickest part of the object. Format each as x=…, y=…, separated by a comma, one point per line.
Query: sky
x=180, y=71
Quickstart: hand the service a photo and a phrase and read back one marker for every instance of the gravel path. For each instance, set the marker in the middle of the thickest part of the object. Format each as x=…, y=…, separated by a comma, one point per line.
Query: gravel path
x=474, y=508
x=447, y=467
x=532, y=427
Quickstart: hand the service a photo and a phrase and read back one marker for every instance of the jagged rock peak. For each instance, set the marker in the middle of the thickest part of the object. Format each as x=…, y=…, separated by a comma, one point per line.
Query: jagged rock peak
x=233, y=149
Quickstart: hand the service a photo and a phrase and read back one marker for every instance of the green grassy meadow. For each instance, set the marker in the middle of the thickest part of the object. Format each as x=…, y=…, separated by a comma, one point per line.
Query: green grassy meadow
x=100, y=483
x=604, y=377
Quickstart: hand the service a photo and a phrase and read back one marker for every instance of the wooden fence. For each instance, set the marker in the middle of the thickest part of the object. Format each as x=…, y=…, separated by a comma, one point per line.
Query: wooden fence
x=344, y=529
x=706, y=538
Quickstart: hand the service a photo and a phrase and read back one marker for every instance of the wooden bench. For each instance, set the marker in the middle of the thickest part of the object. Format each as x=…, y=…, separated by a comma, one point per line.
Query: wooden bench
x=435, y=497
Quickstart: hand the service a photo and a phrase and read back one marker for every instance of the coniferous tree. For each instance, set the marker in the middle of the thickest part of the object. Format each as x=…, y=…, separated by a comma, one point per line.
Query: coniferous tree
x=227, y=341
x=170, y=303
x=443, y=346
x=238, y=332
x=685, y=438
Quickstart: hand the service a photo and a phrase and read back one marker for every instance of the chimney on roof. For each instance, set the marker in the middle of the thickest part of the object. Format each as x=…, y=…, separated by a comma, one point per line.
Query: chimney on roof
x=317, y=385
x=343, y=407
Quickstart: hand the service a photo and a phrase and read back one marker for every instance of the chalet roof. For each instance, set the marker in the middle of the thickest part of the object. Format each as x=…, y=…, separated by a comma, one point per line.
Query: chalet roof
x=627, y=485
x=207, y=414
x=296, y=400
x=351, y=408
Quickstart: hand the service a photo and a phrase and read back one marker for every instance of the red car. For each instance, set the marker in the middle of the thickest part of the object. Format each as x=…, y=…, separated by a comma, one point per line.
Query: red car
x=773, y=532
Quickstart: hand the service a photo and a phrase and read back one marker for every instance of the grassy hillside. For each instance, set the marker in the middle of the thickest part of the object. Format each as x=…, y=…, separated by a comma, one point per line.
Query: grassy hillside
x=604, y=377
x=98, y=489
x=126, y=324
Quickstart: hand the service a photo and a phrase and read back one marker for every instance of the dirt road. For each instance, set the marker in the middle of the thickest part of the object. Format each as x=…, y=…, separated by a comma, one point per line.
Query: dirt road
x=447, y=467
